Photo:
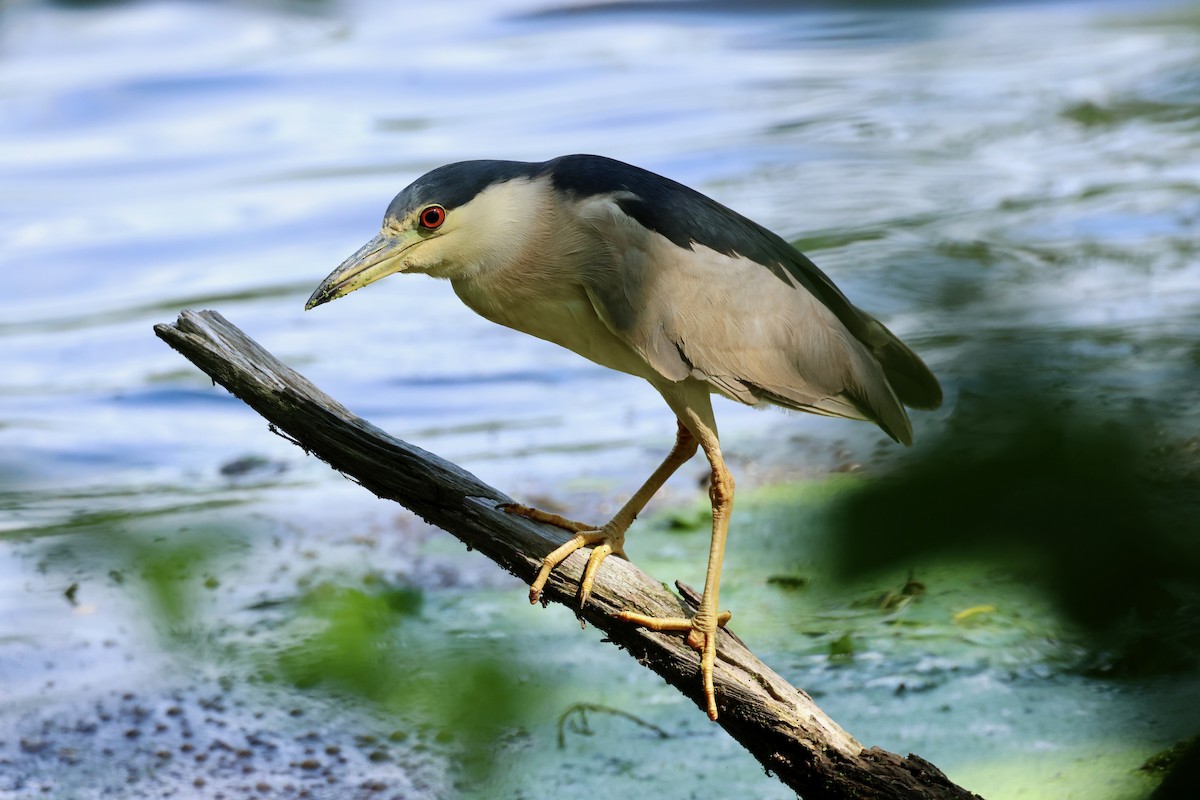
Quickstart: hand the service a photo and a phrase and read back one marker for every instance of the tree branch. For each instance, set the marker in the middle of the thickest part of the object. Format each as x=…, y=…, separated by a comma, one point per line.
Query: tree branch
x=779, y=724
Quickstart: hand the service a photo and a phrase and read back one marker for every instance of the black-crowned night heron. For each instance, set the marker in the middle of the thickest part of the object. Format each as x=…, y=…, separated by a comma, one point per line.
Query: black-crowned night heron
x=644, y=275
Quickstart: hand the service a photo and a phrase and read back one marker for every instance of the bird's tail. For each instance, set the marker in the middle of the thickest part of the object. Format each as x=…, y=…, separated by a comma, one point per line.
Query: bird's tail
x=912, y=381
x=890, y=377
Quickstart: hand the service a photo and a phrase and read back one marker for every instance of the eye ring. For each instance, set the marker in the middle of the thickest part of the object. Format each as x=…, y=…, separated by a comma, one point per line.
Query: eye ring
x=432, y=217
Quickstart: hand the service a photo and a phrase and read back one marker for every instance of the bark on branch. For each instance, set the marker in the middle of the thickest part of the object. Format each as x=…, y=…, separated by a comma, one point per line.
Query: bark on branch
x=778, y=723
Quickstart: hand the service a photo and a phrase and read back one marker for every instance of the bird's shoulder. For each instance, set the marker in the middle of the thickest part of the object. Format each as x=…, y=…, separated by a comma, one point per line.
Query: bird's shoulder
x=687, y=218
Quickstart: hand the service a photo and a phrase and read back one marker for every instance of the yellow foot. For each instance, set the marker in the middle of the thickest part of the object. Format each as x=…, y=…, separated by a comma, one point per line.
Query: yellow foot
x=604, y=541
x=701, y=636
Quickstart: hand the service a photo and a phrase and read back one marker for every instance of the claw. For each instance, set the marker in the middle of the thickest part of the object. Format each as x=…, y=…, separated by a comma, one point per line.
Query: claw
x=599, y=553
x=706, y=643
x=699, y=638
x=586, y=535
x=603, y=543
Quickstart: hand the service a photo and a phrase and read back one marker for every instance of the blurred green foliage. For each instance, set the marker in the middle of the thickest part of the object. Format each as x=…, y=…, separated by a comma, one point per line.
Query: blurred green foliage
x=167, y=574
x=1087, y=495
x=171, y=576
x=364, y=643
x=372, y=646
x=1094, y=510
x=1097, y=506
x=352, y=645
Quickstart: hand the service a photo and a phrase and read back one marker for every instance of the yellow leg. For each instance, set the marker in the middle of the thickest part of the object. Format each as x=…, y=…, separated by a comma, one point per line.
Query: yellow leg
x=608, y=539
x=702, y=628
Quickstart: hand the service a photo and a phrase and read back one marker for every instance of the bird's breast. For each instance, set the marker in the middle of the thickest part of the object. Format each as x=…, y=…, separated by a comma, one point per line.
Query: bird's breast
x=562, y=314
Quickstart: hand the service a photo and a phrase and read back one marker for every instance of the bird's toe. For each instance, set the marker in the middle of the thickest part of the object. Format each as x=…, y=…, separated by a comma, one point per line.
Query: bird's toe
x=604, y=542
x=537, y=515
x=701, y=636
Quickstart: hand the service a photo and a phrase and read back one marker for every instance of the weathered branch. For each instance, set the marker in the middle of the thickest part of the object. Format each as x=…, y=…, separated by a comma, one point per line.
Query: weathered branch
x=776, y=722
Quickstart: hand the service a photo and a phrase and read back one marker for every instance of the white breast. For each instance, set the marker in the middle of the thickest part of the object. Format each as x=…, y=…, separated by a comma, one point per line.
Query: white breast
x=538, y=286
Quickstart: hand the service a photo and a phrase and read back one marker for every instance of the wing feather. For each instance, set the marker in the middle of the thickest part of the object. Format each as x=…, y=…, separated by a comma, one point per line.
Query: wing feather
x=691, y=221
x=725, y=319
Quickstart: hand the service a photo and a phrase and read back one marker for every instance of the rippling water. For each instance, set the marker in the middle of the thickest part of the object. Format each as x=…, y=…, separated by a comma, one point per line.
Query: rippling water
x=958, y=172
x=977, y=177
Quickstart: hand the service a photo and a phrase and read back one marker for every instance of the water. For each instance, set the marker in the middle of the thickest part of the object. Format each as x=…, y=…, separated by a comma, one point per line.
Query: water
x=983, y=176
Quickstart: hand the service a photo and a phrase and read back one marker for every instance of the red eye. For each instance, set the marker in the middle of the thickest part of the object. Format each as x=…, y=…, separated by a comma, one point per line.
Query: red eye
x=433, y=217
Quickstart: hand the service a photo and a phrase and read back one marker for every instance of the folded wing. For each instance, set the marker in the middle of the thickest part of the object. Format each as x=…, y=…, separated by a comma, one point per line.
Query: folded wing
x=779, y=332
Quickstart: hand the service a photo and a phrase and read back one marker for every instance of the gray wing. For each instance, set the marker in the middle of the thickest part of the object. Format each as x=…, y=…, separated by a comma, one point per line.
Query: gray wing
x=689, y=220
x=729, y=320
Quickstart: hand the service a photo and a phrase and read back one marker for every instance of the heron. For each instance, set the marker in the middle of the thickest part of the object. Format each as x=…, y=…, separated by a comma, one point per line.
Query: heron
x=647, y=276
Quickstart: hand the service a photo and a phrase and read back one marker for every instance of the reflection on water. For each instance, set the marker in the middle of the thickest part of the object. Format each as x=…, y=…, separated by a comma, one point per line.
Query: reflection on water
x=976, y=177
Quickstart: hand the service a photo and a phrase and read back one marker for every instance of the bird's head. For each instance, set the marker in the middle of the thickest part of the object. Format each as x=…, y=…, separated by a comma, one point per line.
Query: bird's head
x=449, y=223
